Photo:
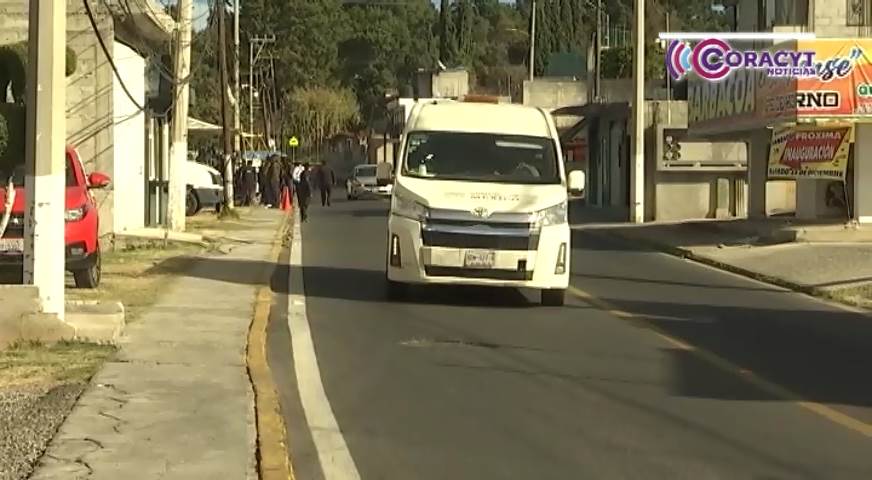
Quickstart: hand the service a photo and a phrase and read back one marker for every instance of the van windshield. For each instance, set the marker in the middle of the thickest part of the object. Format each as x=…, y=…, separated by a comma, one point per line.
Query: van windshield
x=366, y=171
x=481, y=157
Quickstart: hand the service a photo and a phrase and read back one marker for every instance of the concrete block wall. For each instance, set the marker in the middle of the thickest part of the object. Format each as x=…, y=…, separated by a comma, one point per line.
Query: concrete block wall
x=89, y=88
x=829, y=19
x=553, y=94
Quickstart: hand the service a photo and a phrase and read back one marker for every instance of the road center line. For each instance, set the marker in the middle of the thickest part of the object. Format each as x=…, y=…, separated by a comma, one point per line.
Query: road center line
x=725, y=365
x=333, y=454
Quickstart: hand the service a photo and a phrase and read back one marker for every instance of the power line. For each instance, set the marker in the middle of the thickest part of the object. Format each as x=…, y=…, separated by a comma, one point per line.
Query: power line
x=108, y=55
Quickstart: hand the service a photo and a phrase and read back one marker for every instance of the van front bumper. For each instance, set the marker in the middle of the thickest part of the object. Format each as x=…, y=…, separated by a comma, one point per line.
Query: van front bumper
x=409, y=260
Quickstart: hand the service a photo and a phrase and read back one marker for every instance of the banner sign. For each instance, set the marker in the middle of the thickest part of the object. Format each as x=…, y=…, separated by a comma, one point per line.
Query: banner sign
x=810, y=152
x=832, y=80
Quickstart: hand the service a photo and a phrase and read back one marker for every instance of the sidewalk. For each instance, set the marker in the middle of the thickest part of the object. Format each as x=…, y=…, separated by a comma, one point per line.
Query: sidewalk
x=176, y=401
x=840, y=270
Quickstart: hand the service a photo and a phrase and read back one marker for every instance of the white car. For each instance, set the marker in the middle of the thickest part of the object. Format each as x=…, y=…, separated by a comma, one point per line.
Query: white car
x=204, y=187
x=364, y=182
x=480, y=198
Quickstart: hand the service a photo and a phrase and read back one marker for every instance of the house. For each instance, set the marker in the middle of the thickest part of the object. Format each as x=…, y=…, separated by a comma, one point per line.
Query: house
x=117, y=122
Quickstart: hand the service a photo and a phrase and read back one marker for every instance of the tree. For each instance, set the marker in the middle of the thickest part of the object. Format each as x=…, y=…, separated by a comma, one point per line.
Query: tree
x=318, y=113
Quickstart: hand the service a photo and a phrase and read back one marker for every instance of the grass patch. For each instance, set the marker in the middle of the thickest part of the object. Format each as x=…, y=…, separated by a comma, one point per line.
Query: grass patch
x=135, y=277
x=33, y=363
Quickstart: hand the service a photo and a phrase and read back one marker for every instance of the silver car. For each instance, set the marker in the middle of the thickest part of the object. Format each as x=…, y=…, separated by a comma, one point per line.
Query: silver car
x=364, y=183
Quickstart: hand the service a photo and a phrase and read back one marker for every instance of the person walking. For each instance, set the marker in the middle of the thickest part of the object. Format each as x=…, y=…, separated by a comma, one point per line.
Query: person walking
x=325, y=180
x=249, y=184
x=303, y=189
x=275, y=180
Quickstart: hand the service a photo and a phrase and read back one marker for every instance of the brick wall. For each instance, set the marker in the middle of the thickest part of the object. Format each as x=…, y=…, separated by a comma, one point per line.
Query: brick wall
x=89, y=89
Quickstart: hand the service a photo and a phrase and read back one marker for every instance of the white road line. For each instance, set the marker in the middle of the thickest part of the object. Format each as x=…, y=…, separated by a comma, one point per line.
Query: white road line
x=336, y=461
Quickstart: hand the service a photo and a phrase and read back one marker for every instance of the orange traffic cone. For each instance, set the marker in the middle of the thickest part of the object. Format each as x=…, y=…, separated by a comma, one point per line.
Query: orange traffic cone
x=286, y=199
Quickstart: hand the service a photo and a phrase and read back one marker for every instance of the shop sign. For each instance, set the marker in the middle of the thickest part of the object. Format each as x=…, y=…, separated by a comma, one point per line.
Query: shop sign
x=810, y=152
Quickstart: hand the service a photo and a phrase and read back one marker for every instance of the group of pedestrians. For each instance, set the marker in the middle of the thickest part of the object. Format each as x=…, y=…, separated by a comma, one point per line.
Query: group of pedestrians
x=278, y=175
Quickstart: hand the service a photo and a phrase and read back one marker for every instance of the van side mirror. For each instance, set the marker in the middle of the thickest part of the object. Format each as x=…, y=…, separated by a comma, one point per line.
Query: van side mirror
x=575, y=182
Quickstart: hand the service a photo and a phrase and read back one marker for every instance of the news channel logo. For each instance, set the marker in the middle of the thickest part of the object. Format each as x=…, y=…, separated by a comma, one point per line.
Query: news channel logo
x=713, y=58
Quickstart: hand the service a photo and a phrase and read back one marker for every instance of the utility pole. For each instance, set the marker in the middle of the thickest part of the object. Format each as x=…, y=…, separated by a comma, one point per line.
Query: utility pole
x=256, y=46
x=532, y=37
x=179, y=142
x=237, y=143
x=44, y=153
x=598, y=45
x=637, y=170
x=225, y=107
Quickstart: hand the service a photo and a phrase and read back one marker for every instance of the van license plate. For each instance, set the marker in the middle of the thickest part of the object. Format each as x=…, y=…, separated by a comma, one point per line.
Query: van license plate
x=11, y=245
x=479, y=259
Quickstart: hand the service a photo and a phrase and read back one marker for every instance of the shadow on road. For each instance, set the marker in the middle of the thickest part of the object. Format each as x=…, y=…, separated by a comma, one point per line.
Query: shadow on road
x=822, y=356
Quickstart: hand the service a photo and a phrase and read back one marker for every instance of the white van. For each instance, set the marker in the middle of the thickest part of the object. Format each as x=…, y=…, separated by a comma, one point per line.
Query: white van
x=480, y=198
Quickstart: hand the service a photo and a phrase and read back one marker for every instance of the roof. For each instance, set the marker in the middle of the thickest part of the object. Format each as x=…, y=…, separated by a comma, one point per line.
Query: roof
x=482, y=118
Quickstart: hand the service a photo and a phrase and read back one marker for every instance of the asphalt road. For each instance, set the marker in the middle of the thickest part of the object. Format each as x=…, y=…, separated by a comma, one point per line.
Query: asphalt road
x=673, y=370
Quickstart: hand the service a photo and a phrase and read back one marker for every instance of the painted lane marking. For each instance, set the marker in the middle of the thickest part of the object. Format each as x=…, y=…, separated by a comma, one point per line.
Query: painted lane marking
x=725, y=365
x=333, y=454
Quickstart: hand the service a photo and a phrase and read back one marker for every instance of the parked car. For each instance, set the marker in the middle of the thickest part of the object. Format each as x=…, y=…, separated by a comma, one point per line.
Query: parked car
x=365, y=182
x=205, y=188
x=81, y=217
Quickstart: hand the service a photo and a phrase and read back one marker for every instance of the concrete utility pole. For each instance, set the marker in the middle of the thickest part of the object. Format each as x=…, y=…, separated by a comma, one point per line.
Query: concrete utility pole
x=637, y=167
x=225, y=108
x=45, y=153
x=532, y=37
x=179, y=141
x=236, y=92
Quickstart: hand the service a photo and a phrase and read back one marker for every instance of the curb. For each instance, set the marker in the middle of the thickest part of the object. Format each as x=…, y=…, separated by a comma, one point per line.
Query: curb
x=690, y=255
x=272, y=441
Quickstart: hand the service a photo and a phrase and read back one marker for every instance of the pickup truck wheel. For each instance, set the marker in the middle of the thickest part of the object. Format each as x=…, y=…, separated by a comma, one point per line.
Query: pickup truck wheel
x=90, y=277
x=192, y=203
x=553, y=297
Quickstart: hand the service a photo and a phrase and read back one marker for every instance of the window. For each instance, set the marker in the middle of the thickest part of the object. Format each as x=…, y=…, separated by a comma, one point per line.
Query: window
x=18, y=175
x=368, y=171
x=786, y=13
x=857, y=13
x=481, y=157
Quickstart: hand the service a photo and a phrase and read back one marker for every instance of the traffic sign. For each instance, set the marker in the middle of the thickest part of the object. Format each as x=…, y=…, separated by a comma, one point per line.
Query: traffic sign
x=294, y=142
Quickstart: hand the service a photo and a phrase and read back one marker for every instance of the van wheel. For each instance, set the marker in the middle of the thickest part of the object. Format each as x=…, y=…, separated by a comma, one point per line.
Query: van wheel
x=396, y=290
x=91, y=276
x=554, y=297
x=192, y=203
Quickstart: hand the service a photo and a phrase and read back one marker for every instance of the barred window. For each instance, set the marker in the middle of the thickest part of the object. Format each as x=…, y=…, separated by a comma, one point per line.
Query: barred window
x=857, y=13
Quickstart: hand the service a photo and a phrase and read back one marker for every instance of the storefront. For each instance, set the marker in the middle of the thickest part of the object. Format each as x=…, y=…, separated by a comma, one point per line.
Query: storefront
x=815, y=116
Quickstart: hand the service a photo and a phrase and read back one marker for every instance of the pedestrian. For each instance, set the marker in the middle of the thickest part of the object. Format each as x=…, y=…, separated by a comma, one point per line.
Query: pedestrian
x=266, y=191
x=275, y=180
x=249, y=184
x=325, y=181
x=303, y=189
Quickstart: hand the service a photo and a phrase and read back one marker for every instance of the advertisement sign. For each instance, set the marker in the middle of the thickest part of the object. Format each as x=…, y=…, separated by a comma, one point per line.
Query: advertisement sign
x=843, y=74
x=810, y=152
x=732, y=89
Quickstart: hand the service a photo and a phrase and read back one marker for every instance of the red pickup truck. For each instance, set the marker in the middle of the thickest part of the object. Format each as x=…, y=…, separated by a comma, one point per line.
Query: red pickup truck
x=81, y=217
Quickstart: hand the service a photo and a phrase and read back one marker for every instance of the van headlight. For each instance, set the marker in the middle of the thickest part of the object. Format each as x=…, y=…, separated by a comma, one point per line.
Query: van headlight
x=555, y=215
x=404, y=207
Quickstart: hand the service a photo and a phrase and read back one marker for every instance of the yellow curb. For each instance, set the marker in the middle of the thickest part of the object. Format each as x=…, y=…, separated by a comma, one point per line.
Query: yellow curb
x=272, y=438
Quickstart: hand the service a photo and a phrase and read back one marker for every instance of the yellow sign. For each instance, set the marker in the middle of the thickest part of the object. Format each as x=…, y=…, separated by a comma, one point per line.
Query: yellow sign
x=810, y=152
x=294, y=142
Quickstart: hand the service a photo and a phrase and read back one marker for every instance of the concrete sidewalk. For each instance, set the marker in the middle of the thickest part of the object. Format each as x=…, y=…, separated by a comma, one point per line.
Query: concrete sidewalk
x=176, y=402
x=834, y=269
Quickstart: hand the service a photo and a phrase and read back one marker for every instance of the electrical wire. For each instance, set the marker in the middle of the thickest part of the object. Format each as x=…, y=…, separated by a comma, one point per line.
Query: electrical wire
x=108, y=55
